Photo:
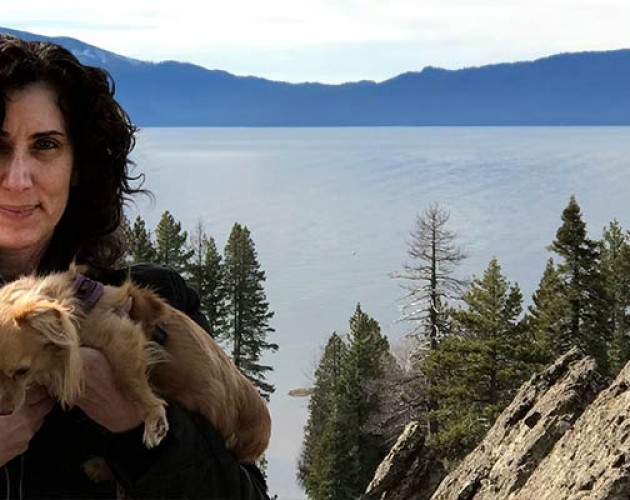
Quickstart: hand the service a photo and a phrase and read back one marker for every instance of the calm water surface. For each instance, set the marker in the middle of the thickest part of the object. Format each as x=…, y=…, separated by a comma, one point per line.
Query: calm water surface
x=330, y=210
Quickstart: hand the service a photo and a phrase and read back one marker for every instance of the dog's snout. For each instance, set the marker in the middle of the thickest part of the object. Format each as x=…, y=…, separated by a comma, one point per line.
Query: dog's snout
x=6, y=409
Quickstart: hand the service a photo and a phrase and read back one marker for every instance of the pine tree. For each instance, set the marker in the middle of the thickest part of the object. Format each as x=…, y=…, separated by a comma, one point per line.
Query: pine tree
x=197, y=244
x=140, y=246
x=318, y=470
x=342, y=447
x=125, y=231
x=170, y=243
x=362, y=368
x=547, y=316
x=588, y=322
x=474, y=375
x=615, y=270
x=429, y=277
x=248, y=315
x=205, y=271
x=462, y=414
x=492, y=317
x=431, y=285
x=334, y=457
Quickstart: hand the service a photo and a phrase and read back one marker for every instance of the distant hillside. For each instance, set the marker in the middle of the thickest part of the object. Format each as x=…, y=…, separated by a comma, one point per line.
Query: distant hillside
x=587, y=88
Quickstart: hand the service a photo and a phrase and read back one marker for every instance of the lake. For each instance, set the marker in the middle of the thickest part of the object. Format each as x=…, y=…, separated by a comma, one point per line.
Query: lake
x=330, y=211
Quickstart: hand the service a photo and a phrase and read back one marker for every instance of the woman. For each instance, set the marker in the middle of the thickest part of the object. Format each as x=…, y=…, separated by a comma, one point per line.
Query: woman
x=64, y=176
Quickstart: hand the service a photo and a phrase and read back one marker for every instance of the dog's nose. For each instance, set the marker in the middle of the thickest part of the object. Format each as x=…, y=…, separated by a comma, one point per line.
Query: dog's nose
x=6, y=409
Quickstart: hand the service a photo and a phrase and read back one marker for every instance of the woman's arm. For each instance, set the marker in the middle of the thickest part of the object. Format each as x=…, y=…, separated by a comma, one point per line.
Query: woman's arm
x=191, y=462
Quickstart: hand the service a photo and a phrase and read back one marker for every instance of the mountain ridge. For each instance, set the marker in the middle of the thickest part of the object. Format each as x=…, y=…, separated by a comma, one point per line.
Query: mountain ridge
x=574, y=88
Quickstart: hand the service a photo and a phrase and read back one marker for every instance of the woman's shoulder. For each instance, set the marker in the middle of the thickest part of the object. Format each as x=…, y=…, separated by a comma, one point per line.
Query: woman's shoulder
x=163, y=280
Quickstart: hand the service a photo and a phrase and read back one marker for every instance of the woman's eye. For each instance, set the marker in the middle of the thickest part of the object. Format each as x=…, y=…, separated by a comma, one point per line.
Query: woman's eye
x=45, y=144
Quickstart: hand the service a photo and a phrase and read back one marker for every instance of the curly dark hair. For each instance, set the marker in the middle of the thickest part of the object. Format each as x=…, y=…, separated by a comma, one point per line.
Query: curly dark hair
x=103, y=137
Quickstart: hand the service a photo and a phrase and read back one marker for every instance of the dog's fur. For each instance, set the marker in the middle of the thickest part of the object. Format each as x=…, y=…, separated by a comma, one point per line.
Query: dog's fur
x=42, y=325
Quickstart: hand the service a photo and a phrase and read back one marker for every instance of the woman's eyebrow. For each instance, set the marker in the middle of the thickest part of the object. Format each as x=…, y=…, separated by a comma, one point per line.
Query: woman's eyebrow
x=46, y=133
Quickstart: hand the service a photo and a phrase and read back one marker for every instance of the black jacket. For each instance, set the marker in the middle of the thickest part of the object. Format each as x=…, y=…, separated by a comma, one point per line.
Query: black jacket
x=191, y=462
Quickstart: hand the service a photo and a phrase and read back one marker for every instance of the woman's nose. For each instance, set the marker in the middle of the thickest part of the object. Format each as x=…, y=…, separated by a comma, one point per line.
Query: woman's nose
x=16, y=172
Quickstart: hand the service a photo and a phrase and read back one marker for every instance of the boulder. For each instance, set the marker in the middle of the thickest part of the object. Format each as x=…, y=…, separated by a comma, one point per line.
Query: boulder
x=410, y=471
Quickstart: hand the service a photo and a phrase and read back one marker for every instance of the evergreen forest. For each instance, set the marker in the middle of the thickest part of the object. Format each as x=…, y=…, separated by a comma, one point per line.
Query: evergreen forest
x=471, y=343
x=230, y=286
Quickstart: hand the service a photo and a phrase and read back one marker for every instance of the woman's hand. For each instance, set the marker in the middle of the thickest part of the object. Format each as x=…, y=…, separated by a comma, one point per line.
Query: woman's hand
x=101, y=400
x=17, y=429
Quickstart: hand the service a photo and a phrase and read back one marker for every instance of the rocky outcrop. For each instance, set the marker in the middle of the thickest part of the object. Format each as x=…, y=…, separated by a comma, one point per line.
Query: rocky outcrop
x=592, y=459
x=565, y=436
x=544, y=410
x=409, y=472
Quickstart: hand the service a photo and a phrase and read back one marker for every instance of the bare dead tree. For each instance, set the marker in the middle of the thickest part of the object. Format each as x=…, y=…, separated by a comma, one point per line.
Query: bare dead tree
x=429, y=276
x=402, y=398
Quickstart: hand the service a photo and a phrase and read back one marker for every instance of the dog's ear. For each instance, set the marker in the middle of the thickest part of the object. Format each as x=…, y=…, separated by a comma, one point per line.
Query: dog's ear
x=55, y=323
x=75, y=268
x=50, y=319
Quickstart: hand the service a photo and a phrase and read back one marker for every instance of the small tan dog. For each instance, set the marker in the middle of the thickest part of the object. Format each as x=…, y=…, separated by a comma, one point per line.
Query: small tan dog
x=43, y=324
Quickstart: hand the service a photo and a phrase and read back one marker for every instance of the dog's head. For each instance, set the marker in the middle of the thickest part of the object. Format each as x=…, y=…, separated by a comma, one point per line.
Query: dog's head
x=39, y=344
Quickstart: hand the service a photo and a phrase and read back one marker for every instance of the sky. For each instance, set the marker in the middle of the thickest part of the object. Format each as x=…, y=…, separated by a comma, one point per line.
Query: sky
x=331, y=41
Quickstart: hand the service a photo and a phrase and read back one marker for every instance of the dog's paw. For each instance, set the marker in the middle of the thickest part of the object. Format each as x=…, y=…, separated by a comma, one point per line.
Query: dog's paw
x=97, y=470
x=155, y=428
x=231, y=442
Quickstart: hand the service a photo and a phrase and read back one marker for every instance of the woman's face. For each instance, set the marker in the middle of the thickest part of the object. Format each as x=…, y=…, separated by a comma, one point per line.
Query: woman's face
x=36, y=162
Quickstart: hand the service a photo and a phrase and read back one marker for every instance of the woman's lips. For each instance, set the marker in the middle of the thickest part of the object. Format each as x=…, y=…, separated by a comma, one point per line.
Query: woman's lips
x=18, y=211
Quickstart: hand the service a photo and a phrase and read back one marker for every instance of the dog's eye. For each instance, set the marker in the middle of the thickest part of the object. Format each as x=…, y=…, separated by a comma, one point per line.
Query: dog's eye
x=20, y=372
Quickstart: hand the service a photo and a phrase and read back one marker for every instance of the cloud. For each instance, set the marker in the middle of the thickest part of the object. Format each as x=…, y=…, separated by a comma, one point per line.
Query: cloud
x=447, y=33
x=290, y=23
x=63, y=27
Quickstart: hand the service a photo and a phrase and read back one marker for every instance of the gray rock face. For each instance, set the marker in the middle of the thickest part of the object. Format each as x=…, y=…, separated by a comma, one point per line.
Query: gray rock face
x=592, y=460
x=409, y=472
x=543, y=411
x=565, y=436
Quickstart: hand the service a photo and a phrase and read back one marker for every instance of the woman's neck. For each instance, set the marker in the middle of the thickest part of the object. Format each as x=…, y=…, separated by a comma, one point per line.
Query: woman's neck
x=18, y=262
